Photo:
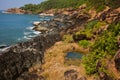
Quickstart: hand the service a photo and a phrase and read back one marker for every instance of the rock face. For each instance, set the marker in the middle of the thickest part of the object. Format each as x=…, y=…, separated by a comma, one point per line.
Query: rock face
x=110, y=15
x=17, y=11
x=117, y=60
x=71, y=75
x=62, y=22
x=19, y=58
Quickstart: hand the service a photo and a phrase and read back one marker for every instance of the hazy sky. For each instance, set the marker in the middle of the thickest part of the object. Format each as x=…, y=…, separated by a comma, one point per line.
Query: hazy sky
x=5, y=4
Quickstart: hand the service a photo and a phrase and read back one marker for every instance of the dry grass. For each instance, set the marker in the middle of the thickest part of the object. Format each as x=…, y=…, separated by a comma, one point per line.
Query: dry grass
x=54, y=66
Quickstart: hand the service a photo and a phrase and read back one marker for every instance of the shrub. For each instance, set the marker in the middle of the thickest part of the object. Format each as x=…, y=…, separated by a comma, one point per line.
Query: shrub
x=84, y=43
x=67, y=38
x=115, y=29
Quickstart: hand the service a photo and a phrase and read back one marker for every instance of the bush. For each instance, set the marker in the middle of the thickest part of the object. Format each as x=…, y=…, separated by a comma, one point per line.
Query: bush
x=115, y=29
x=84, y=43
x=67, y=38
x=104, y=45
x=90, y=61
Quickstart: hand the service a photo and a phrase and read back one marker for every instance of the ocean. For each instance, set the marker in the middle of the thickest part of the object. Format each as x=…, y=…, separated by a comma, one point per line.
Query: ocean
x=17, y=27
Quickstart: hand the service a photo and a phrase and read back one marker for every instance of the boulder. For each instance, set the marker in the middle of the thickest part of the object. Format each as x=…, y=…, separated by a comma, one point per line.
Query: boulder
x=41, y=29
x=71, y=75
x=117, y=60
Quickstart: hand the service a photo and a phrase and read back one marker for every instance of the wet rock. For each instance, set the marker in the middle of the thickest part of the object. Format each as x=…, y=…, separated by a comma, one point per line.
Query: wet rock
x=41, y=29
x=3, y=46
x=117, y=60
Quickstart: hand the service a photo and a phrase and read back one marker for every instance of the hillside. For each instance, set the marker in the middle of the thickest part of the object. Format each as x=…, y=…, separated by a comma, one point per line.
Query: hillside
x=88, y=27
x=59, y=4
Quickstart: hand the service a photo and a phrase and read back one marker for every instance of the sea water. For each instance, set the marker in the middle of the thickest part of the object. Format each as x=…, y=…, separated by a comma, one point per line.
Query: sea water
x=17, y=27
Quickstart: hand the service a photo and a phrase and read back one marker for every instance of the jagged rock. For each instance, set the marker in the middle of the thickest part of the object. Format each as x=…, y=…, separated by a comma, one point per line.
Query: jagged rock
x=3, y=46
x=19, y=58
x=41, y=29
x=117, y=60
x=110, y=16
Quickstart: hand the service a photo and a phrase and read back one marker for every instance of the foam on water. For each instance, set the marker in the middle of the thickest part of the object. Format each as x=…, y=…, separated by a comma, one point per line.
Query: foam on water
x=30, y=28
x=15, y=28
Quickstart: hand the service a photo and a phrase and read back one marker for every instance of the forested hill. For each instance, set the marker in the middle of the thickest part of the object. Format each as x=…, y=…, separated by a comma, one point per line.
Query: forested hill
x=58, y=4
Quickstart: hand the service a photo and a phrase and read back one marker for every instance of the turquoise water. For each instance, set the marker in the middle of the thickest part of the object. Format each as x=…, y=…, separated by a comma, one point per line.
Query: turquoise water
x=16, y=27
x=74, y=55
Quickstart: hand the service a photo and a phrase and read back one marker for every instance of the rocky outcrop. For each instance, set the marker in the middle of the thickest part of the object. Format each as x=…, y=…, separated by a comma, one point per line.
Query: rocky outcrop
x=110, y=15
x=117, y=60
x=20, y=57
x=102, y=75
x=16, y=60
x=17, y=11
x=62, y=22
x=73, y=75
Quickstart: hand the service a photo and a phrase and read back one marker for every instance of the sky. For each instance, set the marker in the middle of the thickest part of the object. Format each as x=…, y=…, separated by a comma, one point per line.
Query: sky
x=6, y=4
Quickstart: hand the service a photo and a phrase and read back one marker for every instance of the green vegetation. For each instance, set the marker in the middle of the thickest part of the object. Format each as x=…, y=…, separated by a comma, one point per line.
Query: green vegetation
x=67, y=38
x=99, y=5
x=53, y=4
x=104, y=42
x=84, y=43
x=105, y=45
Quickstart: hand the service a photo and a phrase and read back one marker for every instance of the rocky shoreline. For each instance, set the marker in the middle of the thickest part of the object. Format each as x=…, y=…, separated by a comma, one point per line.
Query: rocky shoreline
x=16, y=61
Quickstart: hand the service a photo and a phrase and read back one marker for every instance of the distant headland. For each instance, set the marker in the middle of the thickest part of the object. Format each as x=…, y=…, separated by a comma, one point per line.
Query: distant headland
x=17, y=11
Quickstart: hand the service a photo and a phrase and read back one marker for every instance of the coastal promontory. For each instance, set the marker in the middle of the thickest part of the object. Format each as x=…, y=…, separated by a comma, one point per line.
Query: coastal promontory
x=17, y=11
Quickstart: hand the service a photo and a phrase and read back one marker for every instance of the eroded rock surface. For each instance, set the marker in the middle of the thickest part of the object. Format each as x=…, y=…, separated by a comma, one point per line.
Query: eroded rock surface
x=20, y=57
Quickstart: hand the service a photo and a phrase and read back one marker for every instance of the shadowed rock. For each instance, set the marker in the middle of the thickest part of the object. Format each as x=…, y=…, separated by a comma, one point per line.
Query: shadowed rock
x=19, y=58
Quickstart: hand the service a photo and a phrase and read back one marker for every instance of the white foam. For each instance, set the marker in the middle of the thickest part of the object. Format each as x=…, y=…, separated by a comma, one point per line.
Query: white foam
x=36, y=32
x=27, y=33
x=30, y=28
x=25, y=37
x=19, y=39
